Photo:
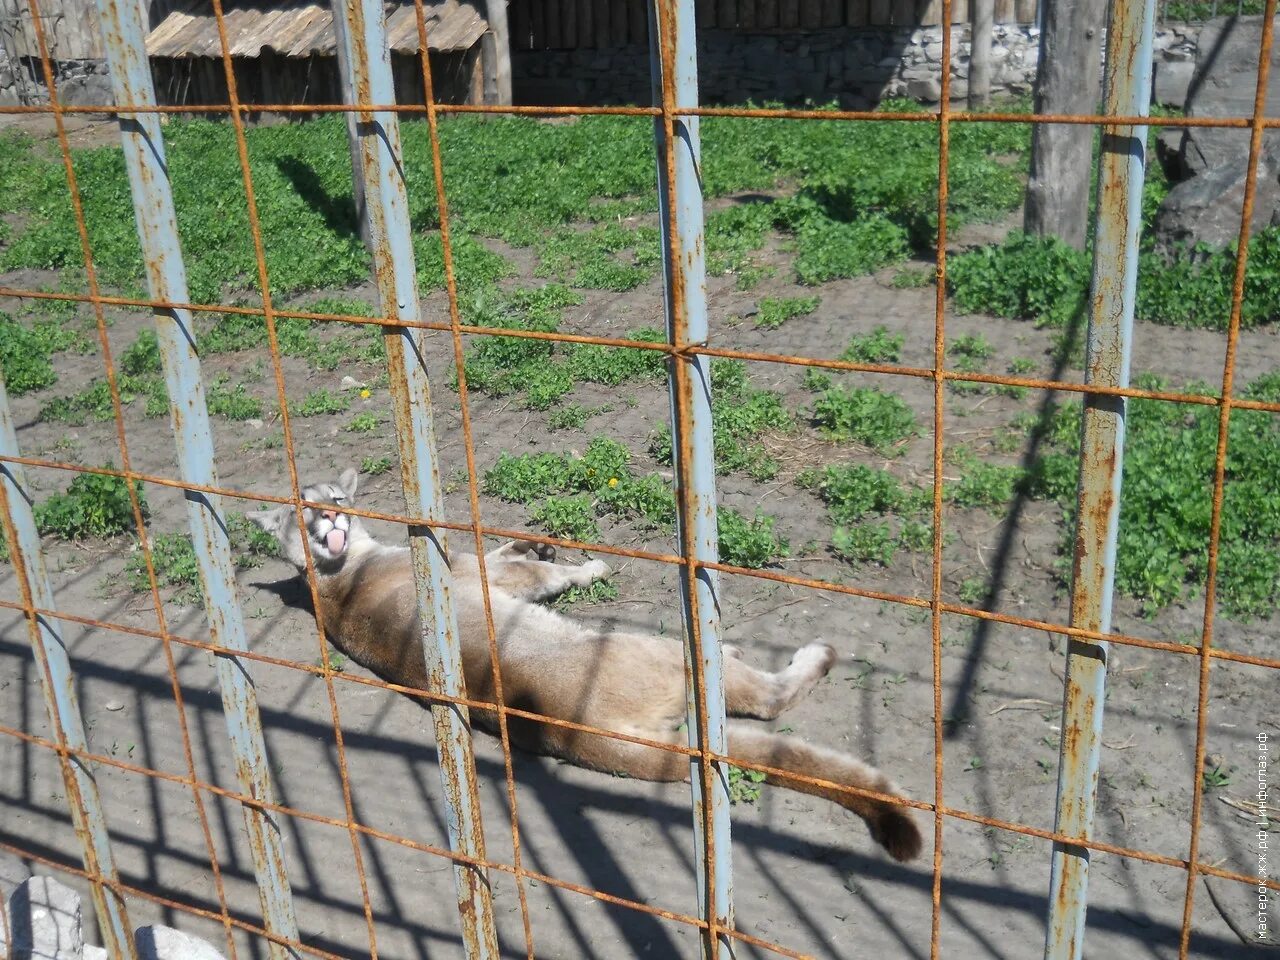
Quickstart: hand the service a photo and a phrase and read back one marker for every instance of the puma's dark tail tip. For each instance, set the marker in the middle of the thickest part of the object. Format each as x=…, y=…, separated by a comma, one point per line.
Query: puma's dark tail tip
x=895, y=829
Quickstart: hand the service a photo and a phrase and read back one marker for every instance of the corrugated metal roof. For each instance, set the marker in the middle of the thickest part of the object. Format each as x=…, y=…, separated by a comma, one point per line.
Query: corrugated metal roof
x=303, y=29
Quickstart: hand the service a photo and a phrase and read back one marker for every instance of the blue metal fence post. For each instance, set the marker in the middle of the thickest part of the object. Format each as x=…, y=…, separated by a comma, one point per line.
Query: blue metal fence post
x=674, y=69
x=395, y=274
x=123, y=33
x=1115, y=275
x=59, y=686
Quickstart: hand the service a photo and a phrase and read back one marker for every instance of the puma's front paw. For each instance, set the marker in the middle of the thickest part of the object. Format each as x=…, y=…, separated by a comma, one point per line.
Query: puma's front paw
x=598, y=569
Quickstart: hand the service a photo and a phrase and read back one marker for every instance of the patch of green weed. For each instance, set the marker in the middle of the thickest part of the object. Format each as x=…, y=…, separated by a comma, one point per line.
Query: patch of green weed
x=775, y=311
x=867, y=542
x=744, y=785
x=878, y=346
x=174, y=560
x=748, y=542
x=600, y=591
x=1166, y=502
x=740, y=415
x=94, y=505
x=987, y=485
x=852, y=491
x=25, y=353
x=364, y=422
x=234, y=403
x=879, y=420
x=572, y=517
x=321, y=402
x=142, y=356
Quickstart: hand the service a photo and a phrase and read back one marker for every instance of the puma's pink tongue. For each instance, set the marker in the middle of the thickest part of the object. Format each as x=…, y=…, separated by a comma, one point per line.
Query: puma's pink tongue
x=335, y=540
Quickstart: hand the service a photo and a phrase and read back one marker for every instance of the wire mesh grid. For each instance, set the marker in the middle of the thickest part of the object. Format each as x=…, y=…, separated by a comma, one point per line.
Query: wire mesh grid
x=715, y=928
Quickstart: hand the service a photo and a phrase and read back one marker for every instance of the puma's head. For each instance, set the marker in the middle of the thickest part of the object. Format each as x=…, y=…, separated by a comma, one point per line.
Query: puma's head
x=329, y=533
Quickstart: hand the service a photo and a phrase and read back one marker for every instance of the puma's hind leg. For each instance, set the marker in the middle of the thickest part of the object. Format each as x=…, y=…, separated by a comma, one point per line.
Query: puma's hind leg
x=749, y=692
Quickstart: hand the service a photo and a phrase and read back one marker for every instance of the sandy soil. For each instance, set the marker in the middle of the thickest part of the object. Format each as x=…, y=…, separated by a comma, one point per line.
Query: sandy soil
x=806, y=874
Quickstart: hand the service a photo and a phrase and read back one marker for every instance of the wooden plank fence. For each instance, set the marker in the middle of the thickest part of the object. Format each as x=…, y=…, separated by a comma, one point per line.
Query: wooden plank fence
x=593, y=24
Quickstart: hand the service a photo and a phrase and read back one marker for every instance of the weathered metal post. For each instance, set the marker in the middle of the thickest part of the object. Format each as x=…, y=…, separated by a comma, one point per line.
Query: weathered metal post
x=395, y=274
x=59, y=686
x=1115, y=276
x=674, y=66
x=144, y=153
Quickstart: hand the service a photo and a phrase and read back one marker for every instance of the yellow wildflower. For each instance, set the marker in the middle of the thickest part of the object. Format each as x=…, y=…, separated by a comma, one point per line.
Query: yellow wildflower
x=613, y=482
x=365, y=394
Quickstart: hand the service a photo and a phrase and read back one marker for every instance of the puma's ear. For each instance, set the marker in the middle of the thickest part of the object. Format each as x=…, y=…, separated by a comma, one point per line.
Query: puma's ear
x=348, y=482
x=268, y=520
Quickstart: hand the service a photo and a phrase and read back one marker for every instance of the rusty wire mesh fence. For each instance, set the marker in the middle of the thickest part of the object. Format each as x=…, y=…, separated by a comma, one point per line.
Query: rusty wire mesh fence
x=688, y=350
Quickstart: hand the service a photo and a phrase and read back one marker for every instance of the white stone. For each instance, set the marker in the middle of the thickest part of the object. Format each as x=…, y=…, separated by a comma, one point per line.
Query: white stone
x=95, y=953
x=44, y=918
x=166, y=943
x=12, y=873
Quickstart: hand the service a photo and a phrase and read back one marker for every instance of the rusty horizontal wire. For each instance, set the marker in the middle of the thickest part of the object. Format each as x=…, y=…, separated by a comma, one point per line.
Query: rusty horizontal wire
x=754, y=356
x=428, y=696
x=955, y=813
x=743, y=113
x=1043, y=626
x=422, y=848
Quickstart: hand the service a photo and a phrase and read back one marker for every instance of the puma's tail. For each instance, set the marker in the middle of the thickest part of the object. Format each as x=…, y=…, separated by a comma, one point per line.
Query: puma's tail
x=891, y=825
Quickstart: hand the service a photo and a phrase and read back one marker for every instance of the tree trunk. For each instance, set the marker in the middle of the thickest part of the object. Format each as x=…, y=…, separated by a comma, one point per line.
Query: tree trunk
x=1070, y=81
x=498, y=45
x=353, y=134
x=980, y=53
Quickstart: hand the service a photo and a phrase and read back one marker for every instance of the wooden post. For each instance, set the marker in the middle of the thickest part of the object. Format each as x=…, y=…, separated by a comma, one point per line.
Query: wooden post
x=353, y=135
x=980, y=53
x=496, y=46
x=1070, y=81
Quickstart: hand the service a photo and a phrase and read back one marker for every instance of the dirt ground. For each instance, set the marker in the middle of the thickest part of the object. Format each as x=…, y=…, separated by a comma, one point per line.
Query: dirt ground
x=805, y=873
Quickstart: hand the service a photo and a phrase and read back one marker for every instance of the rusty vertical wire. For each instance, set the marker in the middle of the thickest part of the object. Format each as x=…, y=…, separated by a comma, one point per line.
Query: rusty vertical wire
x=156, y=219
x=1220, y=464
x=395, y=274
x=464, y=403
x=59, y=685
x=268, y=316
x=91, y=276
x=1121, y=163
x=939, y=395
x=674, y=71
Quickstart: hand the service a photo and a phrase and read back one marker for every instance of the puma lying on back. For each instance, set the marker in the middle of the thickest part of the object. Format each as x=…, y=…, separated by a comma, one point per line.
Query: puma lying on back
x=626, y=682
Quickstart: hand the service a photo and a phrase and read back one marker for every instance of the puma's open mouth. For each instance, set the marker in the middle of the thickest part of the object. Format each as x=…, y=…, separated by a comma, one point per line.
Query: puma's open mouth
x=332, y=543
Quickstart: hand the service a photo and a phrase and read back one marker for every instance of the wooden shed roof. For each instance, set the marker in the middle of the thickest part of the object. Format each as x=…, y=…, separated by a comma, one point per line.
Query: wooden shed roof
x=304, y=29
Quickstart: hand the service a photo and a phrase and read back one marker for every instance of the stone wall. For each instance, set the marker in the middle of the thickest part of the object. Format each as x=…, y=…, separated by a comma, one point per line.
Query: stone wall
x=80, y=82
x=856, y=67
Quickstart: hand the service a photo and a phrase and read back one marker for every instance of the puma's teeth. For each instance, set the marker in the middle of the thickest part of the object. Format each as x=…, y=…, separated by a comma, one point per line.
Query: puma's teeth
x=336, y=540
